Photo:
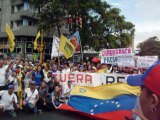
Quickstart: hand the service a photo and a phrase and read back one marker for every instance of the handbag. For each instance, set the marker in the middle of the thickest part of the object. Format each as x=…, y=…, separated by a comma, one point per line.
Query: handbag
x=24, y=102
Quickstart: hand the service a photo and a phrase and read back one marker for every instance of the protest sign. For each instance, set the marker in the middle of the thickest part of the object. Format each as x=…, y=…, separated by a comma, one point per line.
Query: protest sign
x=126, y=60
x=108, y=56
x=90, y=79
x=146, y=61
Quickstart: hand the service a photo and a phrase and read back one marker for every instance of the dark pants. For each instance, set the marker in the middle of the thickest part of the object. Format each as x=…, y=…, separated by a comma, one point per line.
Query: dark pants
x=40, y=103
x=29, y=106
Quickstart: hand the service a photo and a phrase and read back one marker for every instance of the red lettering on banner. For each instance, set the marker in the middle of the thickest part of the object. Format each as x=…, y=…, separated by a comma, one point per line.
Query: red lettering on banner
x=129, y=50
x=71, y=77
x=63, y=79
x=79, y=77
x=108, y=52
x=88, y=78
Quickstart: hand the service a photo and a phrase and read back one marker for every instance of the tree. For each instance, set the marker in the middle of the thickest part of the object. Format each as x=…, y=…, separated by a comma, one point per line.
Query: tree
x=101, y=23
x=150, y=47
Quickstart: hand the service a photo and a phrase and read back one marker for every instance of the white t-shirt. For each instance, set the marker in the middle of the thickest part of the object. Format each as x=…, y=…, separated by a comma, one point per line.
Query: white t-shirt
x=15, y=82
x=67, y=70
x=31, y=97
x=3, y=75
x=46, y=79
x=6, y=100
x=66, y=89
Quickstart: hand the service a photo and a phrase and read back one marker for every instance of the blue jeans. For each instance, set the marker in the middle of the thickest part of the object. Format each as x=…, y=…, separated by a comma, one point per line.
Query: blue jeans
x=31, y=107
x=57, y=103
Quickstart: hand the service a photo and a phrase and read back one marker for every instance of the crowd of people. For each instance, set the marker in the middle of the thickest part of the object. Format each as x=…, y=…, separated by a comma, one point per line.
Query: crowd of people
x=32, y=86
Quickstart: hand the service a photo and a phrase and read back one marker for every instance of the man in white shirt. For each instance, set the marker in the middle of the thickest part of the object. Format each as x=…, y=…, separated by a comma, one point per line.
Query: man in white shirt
x=66, y=68
x=8, y=101
x=3, y=72
x=67, y=89
x=31, y=97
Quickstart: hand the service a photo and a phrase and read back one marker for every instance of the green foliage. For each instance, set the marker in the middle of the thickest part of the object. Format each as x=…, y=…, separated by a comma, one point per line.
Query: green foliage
x=150, y=47
x=106, y=23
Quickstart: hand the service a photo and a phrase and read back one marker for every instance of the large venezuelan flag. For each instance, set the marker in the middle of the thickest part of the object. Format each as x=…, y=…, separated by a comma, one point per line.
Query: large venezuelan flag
x=107, y=102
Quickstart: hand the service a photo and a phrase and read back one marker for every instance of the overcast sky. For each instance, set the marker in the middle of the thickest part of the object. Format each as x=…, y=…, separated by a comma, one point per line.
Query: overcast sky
x=145, y=14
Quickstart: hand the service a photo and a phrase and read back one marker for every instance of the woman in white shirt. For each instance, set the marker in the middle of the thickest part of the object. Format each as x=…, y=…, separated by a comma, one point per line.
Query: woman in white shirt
x=30, y=102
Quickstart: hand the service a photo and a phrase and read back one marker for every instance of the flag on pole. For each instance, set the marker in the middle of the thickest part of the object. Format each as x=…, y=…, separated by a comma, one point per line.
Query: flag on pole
x=11, y=38
x=66, y=47
x=55, y=47
x=35, y=41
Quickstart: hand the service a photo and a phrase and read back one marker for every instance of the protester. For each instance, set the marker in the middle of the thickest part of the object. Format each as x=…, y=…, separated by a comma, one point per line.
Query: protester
x=46, y=72
x=13, y=80
x=31, y=98
x=3, y=71
x=114, y=68
x=67, y=89
x=56, y=97
x=28, y=75
x=150, y=95
x=8, y=101
x=42, y=96
x=135, y=71
x=38, y=76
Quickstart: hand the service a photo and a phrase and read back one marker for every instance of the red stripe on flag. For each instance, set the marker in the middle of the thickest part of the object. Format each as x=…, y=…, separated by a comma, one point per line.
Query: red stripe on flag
x=116, y=115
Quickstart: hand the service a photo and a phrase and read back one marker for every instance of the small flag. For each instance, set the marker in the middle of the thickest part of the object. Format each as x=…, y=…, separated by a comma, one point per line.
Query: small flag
x=35, y=41
x=11, y=38
x=66, y=47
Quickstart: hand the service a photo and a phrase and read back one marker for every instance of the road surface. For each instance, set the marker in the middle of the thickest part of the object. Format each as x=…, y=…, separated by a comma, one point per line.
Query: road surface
x=54, y=115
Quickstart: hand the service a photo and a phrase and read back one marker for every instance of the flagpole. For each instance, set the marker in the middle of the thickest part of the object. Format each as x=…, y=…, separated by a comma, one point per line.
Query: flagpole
x=81, y=49
x=41, y=47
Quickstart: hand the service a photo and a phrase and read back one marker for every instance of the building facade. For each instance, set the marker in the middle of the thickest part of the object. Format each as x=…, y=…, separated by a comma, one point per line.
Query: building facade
x=20, y=15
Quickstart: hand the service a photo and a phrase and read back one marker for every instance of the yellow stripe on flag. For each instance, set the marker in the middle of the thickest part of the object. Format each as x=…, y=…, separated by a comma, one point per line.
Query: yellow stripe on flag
x=104, y=92
x=66, y=47
x=35, y=41
x=11, y=38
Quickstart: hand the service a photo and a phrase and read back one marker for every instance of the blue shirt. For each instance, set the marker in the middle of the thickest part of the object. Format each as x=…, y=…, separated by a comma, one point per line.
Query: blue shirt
x=38, y=78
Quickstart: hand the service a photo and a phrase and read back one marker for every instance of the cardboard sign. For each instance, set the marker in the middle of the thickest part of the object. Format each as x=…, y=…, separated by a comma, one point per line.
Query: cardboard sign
x=126, y=60
x=108, y=56
x=146, y=61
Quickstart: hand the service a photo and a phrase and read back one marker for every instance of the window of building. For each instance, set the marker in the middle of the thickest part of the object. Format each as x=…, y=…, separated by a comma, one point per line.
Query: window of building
x=19, y=22
x=11, y=24
x=20, y=7
x=12, y=9
x=30, y=23
x=29, y=47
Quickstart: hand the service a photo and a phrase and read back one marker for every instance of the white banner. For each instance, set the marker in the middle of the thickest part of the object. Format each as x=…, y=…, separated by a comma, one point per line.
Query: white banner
x=55, y=47
x=126, y=60
x=146, y=61
x=90, y=79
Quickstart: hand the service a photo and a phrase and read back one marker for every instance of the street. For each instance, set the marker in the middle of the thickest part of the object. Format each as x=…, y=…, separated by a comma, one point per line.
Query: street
x=55, y=115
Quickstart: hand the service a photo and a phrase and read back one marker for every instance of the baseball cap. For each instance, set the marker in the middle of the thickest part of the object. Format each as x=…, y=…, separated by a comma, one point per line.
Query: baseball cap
x=33, y=83
x=20, y=66
x=11, y=86
x=150, y=79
